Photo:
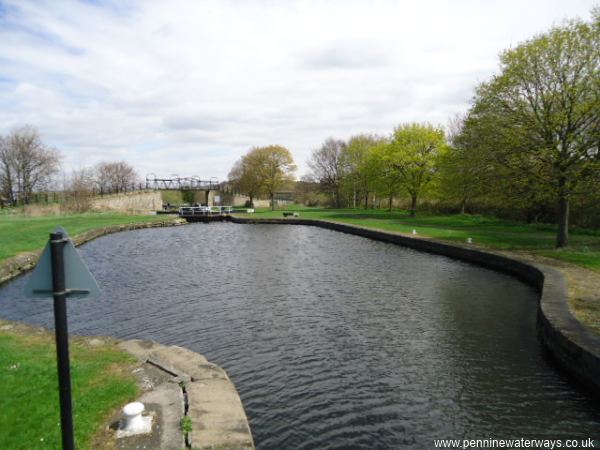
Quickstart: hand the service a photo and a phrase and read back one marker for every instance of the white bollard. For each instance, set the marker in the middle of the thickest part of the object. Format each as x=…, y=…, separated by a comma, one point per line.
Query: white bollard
x=134, y=421
x=414, y=232
x=469, y=240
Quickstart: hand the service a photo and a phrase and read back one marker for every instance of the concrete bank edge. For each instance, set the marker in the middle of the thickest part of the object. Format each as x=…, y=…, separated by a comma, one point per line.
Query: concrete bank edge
x=573, y=346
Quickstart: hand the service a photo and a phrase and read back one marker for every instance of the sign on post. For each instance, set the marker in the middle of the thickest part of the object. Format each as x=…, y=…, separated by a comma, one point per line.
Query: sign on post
x=61, y=273
x=78, y=279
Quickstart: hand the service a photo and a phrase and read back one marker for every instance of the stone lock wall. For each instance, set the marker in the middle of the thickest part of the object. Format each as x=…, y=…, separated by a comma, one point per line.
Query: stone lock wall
x=134, y=201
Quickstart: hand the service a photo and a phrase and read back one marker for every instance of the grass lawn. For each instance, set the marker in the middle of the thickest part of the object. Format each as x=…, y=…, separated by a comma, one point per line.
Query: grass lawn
x=19, y=233
x=584, y=248
x=30, y=413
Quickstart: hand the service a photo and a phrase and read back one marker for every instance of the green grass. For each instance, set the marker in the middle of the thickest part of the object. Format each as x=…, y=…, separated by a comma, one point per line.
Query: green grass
x=186, y=425
x=30, y=417
x=19, y=233
x=584, y=248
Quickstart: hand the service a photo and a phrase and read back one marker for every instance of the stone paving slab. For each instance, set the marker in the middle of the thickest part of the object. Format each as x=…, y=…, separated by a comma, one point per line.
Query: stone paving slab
x=218, y=418
x=170, y=400
x=138, y=348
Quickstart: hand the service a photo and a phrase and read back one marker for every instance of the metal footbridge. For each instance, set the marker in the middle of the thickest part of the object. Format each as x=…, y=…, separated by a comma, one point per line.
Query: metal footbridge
x=178, y=183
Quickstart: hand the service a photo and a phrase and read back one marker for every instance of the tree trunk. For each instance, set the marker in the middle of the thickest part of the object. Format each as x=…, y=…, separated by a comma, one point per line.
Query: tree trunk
x=366, y=200
x=413, y=205
x=390, y=202
x=273, y=201
x=463, y=206
x=562, y=236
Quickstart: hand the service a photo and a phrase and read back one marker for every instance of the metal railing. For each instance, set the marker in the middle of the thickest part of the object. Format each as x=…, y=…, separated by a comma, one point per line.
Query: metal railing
x=191, y=211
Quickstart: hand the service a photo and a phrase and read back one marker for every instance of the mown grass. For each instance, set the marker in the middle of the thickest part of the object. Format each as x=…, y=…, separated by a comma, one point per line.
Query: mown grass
x=584, y=248
x=20, y=233
x=30, y=413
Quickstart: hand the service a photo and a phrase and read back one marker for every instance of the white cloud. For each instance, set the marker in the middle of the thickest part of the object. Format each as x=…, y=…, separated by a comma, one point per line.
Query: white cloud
x=187, y=87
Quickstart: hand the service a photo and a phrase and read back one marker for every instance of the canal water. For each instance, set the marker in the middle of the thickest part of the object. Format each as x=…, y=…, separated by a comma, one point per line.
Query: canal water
x=333, y=341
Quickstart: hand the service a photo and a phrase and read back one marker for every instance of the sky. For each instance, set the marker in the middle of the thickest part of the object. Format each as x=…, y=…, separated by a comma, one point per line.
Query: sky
x=187, y=87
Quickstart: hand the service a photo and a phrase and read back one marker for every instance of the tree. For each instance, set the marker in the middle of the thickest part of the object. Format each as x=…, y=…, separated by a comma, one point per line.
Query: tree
x=387, y=179
x=275, y=168
x=359, y=177
x=464, y=174
x=115, y=176
x=327, y=167
x=414, y=153
x=540, y=117
x=80, y=186
x=244, y=176
x=263, y=170
x=6, y=171
x=26, y=164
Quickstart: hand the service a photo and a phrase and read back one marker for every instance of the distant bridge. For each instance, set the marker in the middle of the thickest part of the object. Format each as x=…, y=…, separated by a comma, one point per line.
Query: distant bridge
x=181, y=183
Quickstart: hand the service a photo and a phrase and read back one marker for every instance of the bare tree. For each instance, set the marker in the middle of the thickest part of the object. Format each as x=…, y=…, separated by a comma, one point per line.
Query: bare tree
x=26, y=164
x=114, y=177
x=327, y=166
x=80, y=187
x=6, y=173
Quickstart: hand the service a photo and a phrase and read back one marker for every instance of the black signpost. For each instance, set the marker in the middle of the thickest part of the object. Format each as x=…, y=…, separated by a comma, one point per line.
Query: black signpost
x=57, y=243
x=61, y=273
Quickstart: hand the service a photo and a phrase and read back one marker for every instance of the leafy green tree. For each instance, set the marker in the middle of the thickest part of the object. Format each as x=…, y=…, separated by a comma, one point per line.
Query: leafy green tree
x=360, y=176
x=388, y=180
x=263, y=170
x=413, y=154
x=275, y=168
x=463, y=173
x=245, y=177
x=540, y=117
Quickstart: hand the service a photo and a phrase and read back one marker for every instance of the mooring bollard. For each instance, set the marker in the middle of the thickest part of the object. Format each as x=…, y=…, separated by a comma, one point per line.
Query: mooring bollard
x=134, y=421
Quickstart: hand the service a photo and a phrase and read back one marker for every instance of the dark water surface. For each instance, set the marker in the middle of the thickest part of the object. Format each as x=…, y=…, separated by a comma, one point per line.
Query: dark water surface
x=333, y=341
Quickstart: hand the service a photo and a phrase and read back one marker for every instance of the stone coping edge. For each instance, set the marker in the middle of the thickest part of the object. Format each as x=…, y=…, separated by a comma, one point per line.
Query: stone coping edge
x=210, y=399
x=575, y=348
x=13, y=267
